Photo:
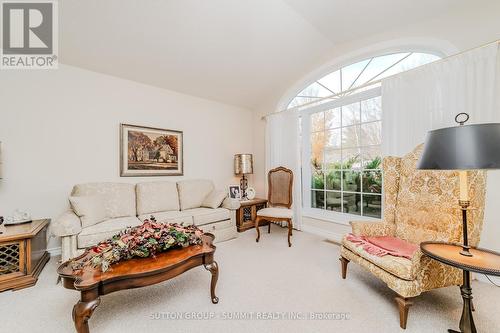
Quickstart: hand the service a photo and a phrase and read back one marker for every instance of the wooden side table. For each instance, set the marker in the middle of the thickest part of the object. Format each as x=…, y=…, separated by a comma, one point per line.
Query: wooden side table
x=246, y=214
x=23, y=254
x=482, y=261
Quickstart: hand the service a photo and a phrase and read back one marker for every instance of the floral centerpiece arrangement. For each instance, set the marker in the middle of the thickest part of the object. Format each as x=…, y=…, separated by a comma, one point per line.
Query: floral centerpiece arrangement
x=142, y=241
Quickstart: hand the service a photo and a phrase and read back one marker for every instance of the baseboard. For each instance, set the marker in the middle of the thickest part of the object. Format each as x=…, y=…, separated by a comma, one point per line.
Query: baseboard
x=55, y=251
x=330, y=235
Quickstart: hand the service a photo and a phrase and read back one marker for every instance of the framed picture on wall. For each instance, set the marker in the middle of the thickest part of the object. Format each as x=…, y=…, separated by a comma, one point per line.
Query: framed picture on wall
x=234, y=191
x=148, y=151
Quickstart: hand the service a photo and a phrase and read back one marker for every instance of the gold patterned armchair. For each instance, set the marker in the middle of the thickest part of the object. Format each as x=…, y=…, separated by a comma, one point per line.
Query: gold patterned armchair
x=419, y=205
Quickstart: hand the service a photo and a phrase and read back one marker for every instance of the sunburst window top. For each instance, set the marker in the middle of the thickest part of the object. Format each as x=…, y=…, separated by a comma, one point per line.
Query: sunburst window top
x=360, y=74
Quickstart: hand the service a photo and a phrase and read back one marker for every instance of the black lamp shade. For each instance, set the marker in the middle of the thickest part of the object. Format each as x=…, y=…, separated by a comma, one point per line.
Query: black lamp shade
x=463, y=147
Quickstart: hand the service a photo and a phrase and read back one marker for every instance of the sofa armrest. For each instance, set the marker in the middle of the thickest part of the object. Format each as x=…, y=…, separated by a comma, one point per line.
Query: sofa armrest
x=67, y=224
x=366, y=228
x=416, y=261
x=231, y=204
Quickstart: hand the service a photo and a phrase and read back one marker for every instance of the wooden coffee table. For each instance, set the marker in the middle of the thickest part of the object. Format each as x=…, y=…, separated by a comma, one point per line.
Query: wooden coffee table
x=134, y=273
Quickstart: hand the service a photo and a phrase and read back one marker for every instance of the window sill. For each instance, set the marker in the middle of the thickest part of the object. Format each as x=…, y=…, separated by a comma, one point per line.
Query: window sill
x=336, y=217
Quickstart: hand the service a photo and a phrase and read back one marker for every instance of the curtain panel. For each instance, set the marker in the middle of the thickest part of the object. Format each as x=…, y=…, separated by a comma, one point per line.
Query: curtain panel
x=429, y=97
x=283, y=149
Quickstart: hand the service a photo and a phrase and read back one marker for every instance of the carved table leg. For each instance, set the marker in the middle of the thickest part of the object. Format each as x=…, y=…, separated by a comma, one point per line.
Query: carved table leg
x=214, y=270
x=467, y=321
x=82, y=311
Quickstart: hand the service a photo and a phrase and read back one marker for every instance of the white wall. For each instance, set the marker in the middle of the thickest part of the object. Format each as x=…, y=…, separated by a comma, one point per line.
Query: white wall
x=456, y=31
x=61, y=127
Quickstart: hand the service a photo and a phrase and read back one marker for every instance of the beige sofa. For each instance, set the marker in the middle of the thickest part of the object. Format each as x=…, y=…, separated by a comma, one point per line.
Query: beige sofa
x=127, y=205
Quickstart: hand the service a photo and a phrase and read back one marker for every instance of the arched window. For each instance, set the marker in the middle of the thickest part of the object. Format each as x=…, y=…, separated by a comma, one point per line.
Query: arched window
x=341, y=136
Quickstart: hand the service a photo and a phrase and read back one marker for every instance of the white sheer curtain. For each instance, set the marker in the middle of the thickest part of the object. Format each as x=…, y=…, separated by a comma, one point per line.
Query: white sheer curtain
x=283, y=149
x=429, y=97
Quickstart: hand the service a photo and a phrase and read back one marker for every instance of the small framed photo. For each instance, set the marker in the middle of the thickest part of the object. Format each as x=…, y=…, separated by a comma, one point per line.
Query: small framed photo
x=234, y=191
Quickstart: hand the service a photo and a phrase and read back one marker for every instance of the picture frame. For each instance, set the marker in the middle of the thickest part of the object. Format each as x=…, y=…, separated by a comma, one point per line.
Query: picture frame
x=149, y=151
x=234, y=192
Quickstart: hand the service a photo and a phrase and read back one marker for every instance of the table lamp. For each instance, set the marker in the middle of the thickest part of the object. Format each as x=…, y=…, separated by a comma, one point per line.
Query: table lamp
x=464, y=147
x=243, y=165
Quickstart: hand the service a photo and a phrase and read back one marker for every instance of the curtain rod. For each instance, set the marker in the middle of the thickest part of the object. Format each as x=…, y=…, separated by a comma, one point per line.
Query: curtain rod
x=375, y=82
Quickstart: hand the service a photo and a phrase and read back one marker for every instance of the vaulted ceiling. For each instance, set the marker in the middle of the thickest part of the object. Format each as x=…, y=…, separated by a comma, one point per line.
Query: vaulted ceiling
x=234, y=51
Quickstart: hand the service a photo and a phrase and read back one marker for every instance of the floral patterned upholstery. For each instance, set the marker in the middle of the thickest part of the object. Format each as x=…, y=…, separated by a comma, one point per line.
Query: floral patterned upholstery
x=398, y=266
x=419, y=205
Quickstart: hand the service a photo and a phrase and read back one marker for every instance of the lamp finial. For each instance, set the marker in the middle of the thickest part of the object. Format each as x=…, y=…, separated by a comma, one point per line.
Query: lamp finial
x=464, y=120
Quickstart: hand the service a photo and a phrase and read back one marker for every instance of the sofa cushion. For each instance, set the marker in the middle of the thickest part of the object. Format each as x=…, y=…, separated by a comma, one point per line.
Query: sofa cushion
x=276, y=212
x=119, y=198
x=398, y=266
x=92, y=235
x=170, y=217
x=156, y=197
x=214, y=199
x=193, y=192
x=202, y=216
x=89, y=208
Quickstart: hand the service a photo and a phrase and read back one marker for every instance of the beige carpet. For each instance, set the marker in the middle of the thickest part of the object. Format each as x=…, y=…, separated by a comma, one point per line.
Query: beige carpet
x=256, y=279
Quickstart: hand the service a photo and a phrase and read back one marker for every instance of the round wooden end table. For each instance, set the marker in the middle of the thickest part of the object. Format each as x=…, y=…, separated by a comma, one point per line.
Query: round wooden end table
x=482, y=261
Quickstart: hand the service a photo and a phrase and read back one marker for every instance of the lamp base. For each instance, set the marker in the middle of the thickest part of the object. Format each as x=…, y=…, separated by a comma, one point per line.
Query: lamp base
x=465, y=252
x=464, y=204
x=244, y=186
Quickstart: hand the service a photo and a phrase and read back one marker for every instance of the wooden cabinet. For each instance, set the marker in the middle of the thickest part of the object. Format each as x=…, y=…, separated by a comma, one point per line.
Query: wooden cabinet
x=246, y=214
x=23, y=254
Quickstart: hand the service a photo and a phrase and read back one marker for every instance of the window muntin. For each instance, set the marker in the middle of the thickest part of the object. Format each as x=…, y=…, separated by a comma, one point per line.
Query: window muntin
x=342, y=144
x=361, y=73
x=345, y=158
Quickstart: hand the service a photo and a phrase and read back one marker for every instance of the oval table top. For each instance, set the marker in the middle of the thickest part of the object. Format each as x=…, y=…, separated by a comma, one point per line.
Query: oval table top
x=482, y=261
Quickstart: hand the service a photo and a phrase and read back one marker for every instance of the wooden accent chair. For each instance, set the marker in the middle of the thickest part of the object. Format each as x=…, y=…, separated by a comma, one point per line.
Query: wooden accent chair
x=419, y=205
x=279, y=200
